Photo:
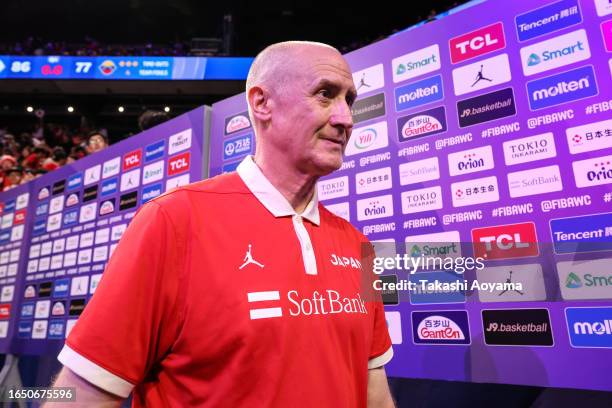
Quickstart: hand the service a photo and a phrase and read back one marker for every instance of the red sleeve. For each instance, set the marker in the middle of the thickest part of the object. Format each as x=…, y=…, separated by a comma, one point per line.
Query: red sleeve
x=135, y=315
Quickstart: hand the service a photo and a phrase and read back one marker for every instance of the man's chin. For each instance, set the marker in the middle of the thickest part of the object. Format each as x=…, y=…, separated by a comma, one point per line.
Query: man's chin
x=329, y=166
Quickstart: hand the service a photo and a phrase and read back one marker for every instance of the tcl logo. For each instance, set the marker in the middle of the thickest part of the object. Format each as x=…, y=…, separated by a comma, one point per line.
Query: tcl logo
x=179, y=164
x=132, y=159
x=19, y=217
x=505, y=241
x=479, y=42
x=5, y=311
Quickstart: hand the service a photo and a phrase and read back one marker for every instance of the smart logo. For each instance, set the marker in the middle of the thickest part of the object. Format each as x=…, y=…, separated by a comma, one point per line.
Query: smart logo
x=419, y=93
x=155, y=150
x=479, y=42
x=150, y=192
x=556, y=52
x=562, y=88
x=590, y=279
x=421, y=124
x=588, y=233
x=416, y=63
x=547, y=19
x=441, y=327
x=589, y=326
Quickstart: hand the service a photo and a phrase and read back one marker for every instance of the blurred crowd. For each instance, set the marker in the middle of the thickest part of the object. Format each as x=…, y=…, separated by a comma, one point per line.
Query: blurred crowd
x=28, y=155
x=45, y=147
x=91, y=48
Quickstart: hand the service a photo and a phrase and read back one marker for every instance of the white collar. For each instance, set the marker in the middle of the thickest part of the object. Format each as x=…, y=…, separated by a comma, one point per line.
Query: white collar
x=269, y=196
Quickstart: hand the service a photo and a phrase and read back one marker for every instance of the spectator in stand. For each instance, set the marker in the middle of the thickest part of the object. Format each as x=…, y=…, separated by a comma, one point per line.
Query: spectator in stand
x=96, y=141
x=77, y=152
x=58, y=159
x=151, y=118
x=13, y=178
x=6, y=162
x=37, y=157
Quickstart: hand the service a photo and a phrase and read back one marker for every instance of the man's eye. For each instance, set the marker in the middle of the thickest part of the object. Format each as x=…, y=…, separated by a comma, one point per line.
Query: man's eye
x=325, y=93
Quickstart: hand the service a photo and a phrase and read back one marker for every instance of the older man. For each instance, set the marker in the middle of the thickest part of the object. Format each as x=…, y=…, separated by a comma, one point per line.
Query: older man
x=225, y=293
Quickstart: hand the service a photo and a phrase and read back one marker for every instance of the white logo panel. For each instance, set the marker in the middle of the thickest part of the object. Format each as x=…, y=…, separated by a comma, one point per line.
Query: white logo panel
x=529, y=149
x=419, y=171
x=367, y=138
x=482, y=74
x=477, y=191
x=554, y=53
x=373, y=180
x=375, y=207
x=424, y=199
x=333, y=188
x=470, y=161
x=534, y=181
x=416, y=63
x=369, y=79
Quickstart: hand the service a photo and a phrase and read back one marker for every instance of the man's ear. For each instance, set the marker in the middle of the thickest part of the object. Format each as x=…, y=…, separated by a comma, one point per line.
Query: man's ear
x=259, y=101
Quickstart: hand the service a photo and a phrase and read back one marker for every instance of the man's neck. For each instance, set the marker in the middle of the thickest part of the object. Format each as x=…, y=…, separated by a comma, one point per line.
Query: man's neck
x=297, y=188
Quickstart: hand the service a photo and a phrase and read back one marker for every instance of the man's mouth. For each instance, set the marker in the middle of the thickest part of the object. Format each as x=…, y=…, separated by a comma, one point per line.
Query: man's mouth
x=340, y=140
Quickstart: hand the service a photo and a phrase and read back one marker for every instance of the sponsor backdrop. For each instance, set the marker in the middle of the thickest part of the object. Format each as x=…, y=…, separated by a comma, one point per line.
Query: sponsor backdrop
x=490, y=127
x=15, y=215
x=75, y=217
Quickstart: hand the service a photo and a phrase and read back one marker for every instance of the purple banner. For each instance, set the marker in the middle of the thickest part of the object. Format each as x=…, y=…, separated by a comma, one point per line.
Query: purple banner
x=78, y=214
x=512, y=158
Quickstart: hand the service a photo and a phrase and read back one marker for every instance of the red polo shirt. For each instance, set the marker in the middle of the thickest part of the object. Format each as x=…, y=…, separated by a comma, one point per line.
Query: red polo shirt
x=219, y=294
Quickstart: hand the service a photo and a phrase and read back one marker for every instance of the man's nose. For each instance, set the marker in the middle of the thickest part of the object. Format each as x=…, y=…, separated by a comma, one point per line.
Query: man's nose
x=342, y=116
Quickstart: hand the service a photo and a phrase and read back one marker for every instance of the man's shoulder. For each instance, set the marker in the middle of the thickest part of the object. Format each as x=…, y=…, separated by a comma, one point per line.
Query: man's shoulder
x=209, y=189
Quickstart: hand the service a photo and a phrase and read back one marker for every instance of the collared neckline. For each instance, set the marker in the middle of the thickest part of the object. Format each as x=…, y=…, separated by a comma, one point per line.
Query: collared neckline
x=270, y=197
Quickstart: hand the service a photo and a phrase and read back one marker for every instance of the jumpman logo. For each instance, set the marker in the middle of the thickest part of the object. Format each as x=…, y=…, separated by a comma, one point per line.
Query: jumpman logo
x=509, y=280
x=248, y=259
x=481, y=77
x=362, y=82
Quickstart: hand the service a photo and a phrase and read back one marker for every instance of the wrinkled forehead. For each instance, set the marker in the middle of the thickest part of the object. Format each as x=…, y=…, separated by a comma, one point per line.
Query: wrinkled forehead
x=314, y=63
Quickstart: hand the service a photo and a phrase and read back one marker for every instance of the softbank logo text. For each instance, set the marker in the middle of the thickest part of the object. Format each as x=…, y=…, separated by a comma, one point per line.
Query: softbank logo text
x=319, y=303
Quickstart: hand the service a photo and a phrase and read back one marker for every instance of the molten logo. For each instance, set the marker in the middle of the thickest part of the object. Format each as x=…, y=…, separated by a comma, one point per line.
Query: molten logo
x=505, y=241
